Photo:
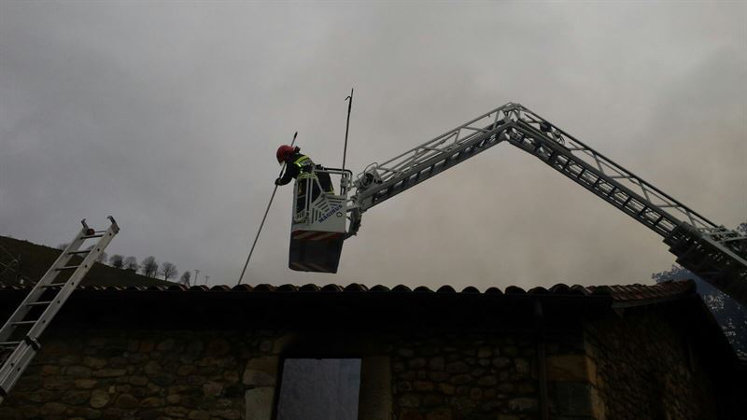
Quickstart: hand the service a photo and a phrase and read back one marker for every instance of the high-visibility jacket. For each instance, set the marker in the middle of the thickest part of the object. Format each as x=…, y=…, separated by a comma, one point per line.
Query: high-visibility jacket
x=305, y=167
x=300, y=167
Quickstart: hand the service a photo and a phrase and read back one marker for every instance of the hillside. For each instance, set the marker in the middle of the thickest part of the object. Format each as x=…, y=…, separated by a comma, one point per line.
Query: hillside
x=22, y=263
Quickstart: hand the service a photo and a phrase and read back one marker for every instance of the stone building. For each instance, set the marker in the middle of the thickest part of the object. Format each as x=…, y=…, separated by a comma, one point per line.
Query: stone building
x=568, y=353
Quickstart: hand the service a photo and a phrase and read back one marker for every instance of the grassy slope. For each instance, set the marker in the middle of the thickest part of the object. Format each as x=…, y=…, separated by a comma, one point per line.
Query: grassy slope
x=35, y=260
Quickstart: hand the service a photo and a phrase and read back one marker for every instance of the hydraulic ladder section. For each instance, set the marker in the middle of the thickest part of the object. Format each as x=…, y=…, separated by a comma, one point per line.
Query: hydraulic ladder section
x=379, y=182
x=715, y=253
x=19, y=337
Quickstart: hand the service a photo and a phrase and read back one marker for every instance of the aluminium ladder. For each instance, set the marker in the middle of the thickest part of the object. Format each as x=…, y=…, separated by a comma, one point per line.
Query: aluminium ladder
x=19, y=337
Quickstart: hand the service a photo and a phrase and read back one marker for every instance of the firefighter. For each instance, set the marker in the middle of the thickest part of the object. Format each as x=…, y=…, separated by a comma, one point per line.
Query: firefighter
x=301, y=167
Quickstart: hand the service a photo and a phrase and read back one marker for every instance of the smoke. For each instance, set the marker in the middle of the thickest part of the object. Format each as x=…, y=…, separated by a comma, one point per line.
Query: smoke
x=167, y=116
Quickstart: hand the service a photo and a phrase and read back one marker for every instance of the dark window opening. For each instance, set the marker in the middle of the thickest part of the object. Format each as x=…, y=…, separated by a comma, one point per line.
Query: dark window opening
x=319, y=389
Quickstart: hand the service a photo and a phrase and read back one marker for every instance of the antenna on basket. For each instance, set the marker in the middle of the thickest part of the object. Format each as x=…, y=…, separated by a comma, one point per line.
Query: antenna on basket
x=267, y=210
x=347, y=127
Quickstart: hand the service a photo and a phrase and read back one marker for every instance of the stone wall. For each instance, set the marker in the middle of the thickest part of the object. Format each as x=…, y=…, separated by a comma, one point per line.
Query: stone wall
x=631, y=367
x=465, y=377
x=646, y=368
x=197, y=375
x=141, y=374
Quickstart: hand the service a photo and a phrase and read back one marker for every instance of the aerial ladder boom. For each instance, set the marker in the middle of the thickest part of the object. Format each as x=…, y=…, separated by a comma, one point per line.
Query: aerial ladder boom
x=715, y=253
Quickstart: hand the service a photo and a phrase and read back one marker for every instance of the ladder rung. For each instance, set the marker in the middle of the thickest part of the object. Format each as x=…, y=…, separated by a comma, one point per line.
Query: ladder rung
x=9, y=343
x=68, y=267
x=46, y=302
x=96, y=235
x=54, y=284
x=24, y=322
x=85, y=251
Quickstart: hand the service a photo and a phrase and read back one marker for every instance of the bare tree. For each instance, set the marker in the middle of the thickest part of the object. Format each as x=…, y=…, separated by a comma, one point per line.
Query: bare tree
x=149, y=267
x=130, y=263
x=168, y=270
x=186, y=277
x=116, y=261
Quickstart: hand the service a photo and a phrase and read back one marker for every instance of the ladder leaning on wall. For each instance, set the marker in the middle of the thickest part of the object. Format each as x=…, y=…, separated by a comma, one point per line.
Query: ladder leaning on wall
x=19, y=337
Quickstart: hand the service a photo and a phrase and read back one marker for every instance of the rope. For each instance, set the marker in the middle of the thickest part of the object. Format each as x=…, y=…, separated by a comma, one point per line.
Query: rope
x=258, y=232
x=267, y=210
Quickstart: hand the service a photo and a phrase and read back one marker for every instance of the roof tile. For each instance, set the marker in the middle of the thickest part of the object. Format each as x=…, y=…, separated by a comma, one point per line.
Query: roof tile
x=493, y=291
x=538, y=291
x=446, y=289
x=264, y=287
x=356, y=287
x=514, y=290
x=331, y=288
x=309, y=288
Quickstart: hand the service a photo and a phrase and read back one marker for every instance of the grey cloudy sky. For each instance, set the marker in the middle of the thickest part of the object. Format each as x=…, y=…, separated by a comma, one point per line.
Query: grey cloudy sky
x=167, y=115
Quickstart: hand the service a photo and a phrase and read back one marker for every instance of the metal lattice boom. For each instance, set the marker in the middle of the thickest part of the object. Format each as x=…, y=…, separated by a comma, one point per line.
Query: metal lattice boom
x=717, y=254
x=379, y=182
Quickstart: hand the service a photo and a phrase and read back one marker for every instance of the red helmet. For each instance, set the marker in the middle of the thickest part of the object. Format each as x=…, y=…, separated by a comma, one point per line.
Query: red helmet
x=285, y=152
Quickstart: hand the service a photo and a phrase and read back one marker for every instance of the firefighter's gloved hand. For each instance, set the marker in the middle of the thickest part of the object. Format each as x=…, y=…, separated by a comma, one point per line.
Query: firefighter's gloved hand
x=277, y=181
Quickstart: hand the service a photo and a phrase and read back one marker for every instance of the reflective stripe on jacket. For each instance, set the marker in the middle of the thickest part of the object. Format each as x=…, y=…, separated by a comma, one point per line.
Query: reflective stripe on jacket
x=305, y=167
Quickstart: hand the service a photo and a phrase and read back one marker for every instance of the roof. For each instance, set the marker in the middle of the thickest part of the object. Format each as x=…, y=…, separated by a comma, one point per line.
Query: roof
x=355, y=305
x=637, y=294
x=110, y=296
x=627, y=295
x=36, y=259
x=355, y=308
